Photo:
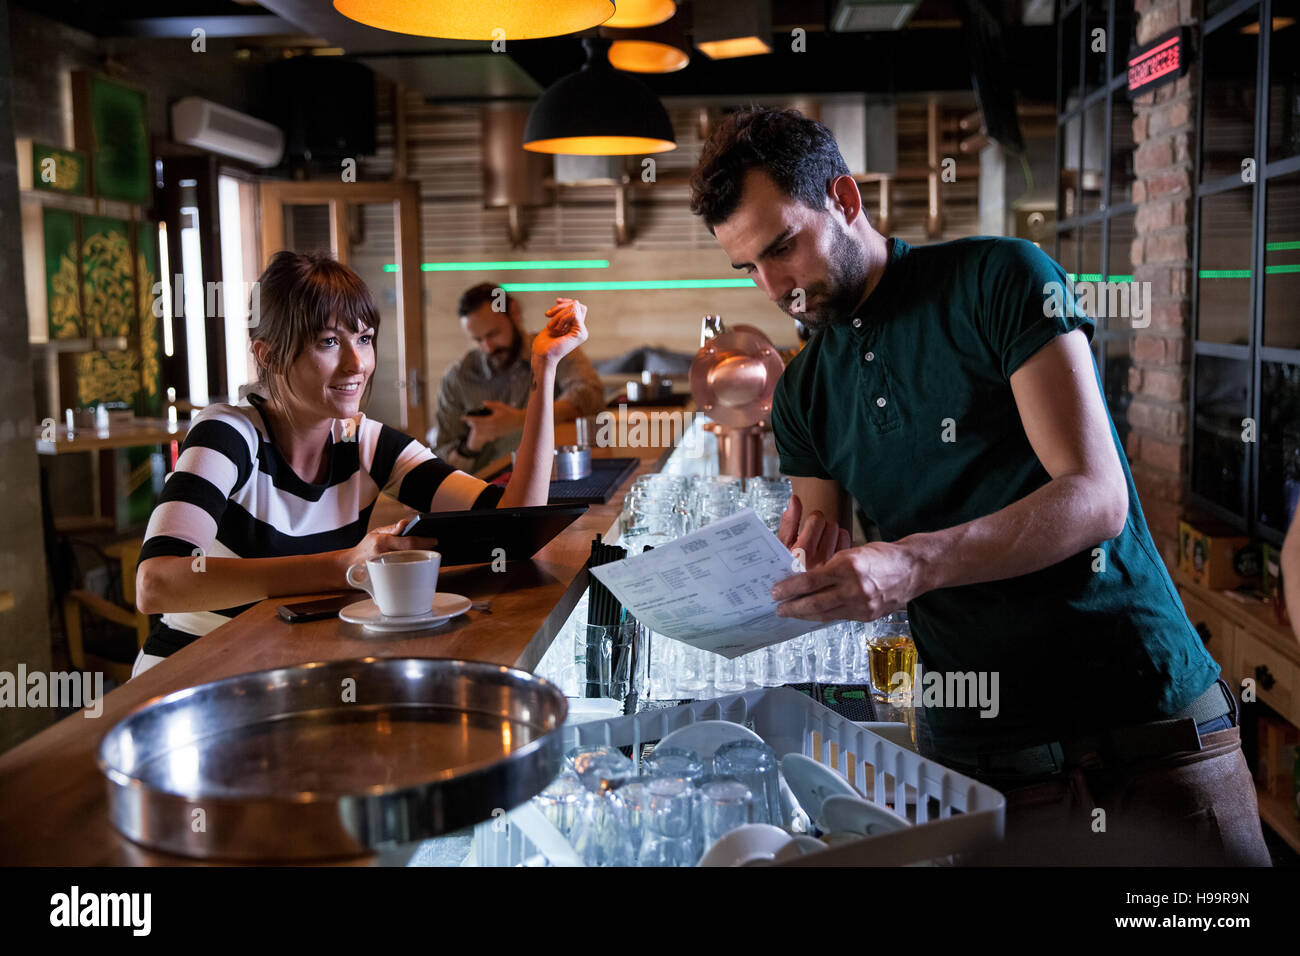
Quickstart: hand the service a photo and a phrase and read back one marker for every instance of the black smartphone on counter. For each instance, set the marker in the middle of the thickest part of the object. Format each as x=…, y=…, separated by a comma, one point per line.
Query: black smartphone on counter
x=314, y=610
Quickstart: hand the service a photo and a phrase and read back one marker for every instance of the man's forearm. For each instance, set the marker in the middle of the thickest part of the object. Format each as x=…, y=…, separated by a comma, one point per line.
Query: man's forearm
x=1067, y=515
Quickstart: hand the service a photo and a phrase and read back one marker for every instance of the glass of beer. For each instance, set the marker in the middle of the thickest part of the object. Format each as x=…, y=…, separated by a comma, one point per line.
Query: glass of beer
x=892, y=658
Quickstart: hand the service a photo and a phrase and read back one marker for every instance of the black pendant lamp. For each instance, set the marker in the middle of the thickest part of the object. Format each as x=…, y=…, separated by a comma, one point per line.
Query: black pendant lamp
x=598, y=111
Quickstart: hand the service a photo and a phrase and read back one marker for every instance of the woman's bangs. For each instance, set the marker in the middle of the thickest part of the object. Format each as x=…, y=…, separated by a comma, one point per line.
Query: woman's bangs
x=344, y=300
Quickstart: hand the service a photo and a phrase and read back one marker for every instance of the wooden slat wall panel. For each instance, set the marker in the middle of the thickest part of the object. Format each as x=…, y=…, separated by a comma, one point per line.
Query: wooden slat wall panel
x=668, y=242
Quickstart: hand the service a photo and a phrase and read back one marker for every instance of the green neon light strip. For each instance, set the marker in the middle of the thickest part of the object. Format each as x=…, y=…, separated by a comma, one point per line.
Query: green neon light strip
x=651, y=285
x=509, y=264
x=1245, y=273
x=1281, y=246
x=1095, y=277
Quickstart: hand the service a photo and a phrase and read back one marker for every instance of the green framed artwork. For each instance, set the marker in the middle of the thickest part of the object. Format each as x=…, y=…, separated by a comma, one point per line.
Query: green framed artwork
x=110, y=378
x=52, y=169
x=107, y=277
x=112, y=121
x=62, y=286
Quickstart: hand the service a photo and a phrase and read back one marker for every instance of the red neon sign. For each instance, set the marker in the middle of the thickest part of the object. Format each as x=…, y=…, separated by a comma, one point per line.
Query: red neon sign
x=1164, y=60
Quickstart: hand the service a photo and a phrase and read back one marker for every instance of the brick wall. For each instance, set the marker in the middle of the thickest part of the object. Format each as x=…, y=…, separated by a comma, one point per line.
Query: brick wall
x=1165, y=136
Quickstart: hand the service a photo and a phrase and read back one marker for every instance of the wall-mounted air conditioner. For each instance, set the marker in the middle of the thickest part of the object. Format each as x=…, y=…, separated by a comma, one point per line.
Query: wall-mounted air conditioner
x=211, y=126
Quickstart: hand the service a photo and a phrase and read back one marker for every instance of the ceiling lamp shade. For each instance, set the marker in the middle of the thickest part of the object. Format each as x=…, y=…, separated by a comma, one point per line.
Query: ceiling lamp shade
x=459, y=20
x=647, y=56
x=731, y=28
x=641, y=13
x=663, y=48
x=598, y=111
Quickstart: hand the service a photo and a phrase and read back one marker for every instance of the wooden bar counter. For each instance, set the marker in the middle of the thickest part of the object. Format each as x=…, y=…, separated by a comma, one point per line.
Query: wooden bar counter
x=53, y=806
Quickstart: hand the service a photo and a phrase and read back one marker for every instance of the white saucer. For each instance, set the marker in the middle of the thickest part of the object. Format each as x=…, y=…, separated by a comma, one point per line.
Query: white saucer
x=366, y=613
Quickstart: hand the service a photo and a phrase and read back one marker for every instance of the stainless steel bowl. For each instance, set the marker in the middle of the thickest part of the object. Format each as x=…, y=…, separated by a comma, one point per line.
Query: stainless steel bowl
x=331, y=759
x=571, y=462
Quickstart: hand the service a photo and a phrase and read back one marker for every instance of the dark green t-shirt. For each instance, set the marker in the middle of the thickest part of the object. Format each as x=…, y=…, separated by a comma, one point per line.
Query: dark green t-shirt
x=869, y=404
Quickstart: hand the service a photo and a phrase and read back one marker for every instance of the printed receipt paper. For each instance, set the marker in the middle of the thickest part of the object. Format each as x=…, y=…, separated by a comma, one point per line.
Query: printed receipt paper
x=711, y=588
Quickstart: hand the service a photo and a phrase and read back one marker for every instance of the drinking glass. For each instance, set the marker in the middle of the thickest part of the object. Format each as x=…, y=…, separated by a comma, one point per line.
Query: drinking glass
x=830, y=655
x=794, y=660
x=669, y=824
x=598, y=834
x=651, y=522
x=767, y=666
x=659, y=485
x=859, y=666
x=768, y=497
x=564, y=801
x=631, y=803
x=714, y=498
x=673, y=762
x=728, y=675
x=891, y=652
x=754, y=764
x=725, y=804
x=658, y=665
x=600, y=768
x=691, y=676
x=604, y=657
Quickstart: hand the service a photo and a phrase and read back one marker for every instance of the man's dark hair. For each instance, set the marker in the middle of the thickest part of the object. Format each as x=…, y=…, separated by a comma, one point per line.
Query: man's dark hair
x=799, y=154
x=476, y=295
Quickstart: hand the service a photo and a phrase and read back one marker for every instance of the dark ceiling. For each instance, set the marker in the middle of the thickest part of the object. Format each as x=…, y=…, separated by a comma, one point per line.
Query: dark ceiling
x=931, y=53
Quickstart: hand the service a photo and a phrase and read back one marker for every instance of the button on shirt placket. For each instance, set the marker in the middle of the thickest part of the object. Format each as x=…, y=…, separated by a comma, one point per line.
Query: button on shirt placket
x=875, y=379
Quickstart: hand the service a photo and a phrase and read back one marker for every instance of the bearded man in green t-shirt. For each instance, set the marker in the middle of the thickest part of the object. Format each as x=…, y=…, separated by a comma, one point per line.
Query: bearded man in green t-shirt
x=950, y=390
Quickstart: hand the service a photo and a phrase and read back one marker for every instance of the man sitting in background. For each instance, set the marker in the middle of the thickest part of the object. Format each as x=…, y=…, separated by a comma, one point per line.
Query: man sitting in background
x=482, y=397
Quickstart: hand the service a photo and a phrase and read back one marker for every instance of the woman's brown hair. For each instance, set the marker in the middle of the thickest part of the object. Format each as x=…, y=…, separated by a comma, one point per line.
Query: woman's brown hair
x=295, y=298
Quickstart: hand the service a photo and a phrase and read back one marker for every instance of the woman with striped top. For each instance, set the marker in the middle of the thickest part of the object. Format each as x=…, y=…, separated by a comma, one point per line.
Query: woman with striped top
x=273, y=495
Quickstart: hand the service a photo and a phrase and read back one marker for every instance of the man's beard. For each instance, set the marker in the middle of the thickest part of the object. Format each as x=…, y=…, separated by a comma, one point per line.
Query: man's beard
x=500, y=358
x=834, y=300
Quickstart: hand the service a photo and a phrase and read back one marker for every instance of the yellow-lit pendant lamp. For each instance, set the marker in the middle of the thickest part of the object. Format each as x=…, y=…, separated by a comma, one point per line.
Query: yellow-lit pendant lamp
x=663, y=48
x=598, y=111
x=476, y=20
x=641, y=13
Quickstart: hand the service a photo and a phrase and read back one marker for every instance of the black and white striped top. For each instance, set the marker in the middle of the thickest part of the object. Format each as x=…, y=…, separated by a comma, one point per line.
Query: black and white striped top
x=233, y=495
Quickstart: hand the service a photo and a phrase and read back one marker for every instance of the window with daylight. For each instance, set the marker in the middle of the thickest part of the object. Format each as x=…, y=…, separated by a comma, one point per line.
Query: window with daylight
x=1094, y=148
x=1245, y=394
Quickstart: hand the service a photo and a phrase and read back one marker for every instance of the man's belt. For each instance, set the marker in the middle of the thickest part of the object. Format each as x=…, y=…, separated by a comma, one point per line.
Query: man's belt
x=1120, y=744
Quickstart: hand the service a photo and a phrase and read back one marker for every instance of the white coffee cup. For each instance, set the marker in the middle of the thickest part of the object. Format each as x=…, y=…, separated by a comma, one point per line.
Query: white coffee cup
x=403, y=583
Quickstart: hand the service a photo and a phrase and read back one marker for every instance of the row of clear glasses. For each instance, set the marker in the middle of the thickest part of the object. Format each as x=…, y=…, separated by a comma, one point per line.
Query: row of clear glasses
x=839, y=653
x=713, y=498
x=672, y=813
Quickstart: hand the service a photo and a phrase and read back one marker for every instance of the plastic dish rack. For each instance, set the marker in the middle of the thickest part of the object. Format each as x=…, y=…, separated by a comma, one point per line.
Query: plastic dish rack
x=951, y=813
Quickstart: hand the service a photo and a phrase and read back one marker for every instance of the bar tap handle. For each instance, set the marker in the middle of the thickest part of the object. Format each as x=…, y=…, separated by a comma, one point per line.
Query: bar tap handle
x=711, y=326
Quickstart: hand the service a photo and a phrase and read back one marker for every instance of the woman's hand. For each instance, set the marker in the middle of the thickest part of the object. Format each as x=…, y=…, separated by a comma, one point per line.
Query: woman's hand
x=565, y=331
x=381, y=541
